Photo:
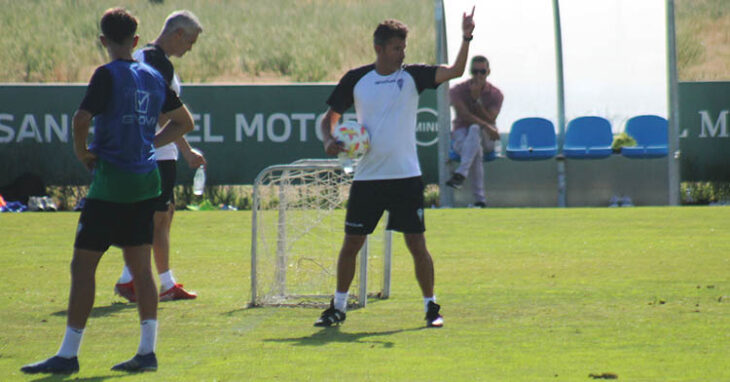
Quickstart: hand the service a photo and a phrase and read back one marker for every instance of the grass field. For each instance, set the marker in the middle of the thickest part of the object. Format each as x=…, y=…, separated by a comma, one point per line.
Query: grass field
x=528, y=295
x=281, y=40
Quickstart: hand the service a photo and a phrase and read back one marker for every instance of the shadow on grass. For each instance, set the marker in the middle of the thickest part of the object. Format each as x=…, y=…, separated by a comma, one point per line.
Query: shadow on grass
x=333, y=334
x=102, y=311
x=57, y=377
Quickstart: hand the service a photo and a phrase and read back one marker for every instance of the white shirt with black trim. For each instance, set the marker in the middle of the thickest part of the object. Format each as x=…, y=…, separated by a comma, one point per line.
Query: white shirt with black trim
x=387, y=107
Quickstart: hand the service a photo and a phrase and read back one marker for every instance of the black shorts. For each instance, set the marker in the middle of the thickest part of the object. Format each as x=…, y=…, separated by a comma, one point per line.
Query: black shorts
x=103, y=224
x=403, y=198
x=168, y=175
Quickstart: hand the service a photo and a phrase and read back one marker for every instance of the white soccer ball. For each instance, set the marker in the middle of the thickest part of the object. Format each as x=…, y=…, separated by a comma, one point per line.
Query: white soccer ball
x=354, y=137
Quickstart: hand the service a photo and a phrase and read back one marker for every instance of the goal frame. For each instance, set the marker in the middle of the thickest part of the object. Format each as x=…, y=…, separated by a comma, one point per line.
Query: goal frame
x=303, y=165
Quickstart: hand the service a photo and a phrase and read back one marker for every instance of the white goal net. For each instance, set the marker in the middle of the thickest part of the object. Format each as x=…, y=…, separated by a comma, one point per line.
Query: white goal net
x=297, y=231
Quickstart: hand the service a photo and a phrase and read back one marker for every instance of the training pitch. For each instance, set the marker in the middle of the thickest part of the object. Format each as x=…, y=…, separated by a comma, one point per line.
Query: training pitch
x=527, y=294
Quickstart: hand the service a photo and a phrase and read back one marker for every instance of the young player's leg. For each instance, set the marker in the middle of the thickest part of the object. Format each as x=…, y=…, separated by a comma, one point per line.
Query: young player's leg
x=93, y=237
x=135, y=238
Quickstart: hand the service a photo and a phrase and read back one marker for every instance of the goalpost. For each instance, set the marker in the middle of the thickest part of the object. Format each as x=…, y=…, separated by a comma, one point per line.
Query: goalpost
x=297, y=229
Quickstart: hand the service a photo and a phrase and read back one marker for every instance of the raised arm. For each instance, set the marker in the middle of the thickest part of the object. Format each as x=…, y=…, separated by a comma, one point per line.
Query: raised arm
x=445, y=73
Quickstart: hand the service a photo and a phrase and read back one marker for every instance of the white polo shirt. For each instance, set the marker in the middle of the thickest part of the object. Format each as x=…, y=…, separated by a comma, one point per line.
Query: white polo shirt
x=387, y=107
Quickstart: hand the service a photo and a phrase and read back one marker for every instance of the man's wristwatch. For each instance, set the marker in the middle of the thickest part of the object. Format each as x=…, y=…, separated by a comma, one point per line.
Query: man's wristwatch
x=467, y=39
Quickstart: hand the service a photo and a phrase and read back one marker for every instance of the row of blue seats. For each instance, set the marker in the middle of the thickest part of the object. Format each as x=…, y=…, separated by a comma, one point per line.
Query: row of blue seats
x=585, y=138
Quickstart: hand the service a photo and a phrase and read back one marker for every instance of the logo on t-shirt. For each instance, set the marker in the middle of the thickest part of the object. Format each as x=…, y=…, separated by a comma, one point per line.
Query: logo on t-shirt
x=142, y=102
x=399, y=82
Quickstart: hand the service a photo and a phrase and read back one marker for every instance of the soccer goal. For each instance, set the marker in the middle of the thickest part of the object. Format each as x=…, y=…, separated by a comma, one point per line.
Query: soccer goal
x=297, y=231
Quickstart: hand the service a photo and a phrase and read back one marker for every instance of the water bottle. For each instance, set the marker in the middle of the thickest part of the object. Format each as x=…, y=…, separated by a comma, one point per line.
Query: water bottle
x=523, y=141
x=199, y=181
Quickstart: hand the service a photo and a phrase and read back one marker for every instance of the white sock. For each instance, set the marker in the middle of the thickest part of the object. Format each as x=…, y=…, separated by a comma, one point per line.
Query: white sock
x=126, y=276
x=341, y=301
x=71, y=343
x=167, y=280
x=426, y=300
x=148, y=339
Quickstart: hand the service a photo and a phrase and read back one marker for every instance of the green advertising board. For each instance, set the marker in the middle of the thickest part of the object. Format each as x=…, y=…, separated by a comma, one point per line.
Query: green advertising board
x=703, y=130
x=245, y=128
x=240, y=128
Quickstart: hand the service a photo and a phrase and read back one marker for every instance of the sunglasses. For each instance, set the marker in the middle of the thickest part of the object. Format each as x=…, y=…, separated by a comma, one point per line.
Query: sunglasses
x=479, y=71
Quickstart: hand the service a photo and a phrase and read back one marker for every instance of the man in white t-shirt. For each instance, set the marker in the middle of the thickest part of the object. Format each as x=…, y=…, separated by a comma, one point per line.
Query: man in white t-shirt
x=179, y=33
x=385, y=95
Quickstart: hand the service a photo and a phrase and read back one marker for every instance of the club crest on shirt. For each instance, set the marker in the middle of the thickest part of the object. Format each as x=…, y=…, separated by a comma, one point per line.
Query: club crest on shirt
x=399, y=82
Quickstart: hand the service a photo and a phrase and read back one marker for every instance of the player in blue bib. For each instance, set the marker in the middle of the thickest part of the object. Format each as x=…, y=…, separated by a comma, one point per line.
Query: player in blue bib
x=126, y=98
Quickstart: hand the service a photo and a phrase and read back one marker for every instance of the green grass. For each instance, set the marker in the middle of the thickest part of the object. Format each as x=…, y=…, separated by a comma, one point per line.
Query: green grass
x=243, y=40
x=280, y=40
x=528, y=295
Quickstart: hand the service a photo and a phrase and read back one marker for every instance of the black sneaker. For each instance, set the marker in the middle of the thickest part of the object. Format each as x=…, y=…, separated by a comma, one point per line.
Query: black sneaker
x=331, y=316
x=433, y=318
x=53, y=365
x=138, y=363
x=456, y=181
x=480, y=205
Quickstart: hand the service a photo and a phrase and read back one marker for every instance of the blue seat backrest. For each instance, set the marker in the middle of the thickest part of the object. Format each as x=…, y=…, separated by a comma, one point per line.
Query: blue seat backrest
x=589, y=131
x=539, y=132
x=648, y=130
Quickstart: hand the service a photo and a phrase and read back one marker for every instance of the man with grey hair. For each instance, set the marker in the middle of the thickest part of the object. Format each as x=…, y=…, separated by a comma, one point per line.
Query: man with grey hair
x=177, y=37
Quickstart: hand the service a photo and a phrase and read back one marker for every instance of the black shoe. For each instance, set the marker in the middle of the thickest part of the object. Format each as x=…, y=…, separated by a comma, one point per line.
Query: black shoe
x=147, y=362
x=480, y=205
x=53, y=365
x=433, y=318
x=456, y=181
x=331, y=316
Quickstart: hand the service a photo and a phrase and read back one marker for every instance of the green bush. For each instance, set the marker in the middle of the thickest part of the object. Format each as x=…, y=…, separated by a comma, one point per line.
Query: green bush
x=700, y=193
x=622, y=140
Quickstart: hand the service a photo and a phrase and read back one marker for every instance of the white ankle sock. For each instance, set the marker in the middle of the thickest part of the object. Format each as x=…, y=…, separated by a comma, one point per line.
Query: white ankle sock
x=71, y=343
x=167, y=280
x=426, y=300
x=126, y=276
x=148, y=338
x=341, y=301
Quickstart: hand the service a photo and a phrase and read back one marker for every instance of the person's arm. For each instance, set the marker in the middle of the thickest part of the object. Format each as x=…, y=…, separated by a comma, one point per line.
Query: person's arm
x=194, y=157
x=331, y=145
x=445, y=73
x=180, y=123
x=81, y=124
x=490, y=112
x=462, y=111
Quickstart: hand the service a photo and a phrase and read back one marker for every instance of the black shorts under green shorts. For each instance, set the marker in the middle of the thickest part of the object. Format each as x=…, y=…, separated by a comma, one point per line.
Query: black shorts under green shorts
x=168, y=175
x=402, y=198
x=103, y=224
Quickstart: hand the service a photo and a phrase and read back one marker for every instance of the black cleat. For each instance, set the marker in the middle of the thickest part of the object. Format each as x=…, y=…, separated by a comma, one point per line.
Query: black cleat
x=53, y=365
x=433, y=318
x=456, y=181
x=138, y=363
x=331, y=316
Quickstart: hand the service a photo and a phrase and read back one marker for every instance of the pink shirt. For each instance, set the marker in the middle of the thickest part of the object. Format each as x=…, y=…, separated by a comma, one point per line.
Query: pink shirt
x=491, y=98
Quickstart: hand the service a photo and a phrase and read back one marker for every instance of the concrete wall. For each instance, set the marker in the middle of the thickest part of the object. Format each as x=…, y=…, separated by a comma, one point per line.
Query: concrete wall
x=589, y=183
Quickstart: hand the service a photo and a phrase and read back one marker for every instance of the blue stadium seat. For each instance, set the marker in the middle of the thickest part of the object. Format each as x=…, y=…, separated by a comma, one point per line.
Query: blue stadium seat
x=532, y=139
x=588, y=138
x=651, y=135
